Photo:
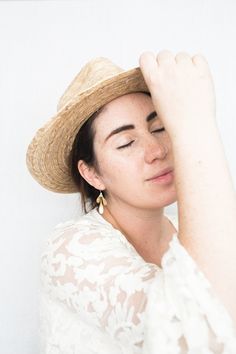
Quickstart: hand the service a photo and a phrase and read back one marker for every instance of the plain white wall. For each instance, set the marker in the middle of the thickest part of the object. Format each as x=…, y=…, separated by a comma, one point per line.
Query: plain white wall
x=43, y=45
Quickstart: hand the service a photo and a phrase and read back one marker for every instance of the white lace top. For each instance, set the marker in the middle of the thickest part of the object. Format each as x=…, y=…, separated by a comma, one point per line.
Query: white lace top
x=98, y=295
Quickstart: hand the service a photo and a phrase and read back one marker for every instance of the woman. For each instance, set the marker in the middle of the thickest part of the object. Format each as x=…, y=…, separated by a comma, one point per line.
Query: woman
x=123, y=278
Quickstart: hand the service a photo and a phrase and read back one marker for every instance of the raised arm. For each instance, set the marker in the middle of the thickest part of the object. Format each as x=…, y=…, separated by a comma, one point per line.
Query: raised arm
x=183, y=95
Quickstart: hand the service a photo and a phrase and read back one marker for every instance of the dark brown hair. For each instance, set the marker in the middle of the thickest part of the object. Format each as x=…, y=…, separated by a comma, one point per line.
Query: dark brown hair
x=83, y=149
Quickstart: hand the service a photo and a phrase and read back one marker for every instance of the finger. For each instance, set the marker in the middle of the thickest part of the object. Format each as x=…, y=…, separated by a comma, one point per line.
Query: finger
x=200, y=62
x=183, y=57
x=149, y=68
x=165, y=57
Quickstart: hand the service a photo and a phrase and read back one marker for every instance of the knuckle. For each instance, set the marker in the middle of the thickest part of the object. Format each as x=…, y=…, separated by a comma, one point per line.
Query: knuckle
x=182, y=55
x=200, y=63
x=199, y=55
x=165, y=54
x=199, y=59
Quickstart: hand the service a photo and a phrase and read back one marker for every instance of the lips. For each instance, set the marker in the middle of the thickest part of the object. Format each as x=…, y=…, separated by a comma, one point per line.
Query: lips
x=163, y=172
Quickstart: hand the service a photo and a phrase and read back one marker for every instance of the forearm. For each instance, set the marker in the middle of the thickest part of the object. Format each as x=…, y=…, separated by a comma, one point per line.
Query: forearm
x=207, y=208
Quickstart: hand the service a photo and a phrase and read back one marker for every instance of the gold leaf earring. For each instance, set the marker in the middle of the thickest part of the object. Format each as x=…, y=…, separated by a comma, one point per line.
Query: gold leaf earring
x=102, y=202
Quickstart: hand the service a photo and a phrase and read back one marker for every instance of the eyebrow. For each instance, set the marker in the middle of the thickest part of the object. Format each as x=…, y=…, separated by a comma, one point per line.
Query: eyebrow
x=150, y=117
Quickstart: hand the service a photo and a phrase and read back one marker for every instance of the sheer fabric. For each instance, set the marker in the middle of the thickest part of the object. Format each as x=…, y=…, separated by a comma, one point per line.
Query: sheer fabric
x=98, y=295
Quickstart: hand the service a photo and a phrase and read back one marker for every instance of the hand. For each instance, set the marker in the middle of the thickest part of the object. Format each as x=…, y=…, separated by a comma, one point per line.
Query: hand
x=182, y=89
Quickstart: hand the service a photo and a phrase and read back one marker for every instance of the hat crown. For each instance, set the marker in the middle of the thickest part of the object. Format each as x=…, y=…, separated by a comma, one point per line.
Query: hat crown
x=49, y=154
x=91, y=74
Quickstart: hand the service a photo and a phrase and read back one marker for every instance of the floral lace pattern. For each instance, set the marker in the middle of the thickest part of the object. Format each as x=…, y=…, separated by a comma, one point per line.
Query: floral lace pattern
x=98, y=295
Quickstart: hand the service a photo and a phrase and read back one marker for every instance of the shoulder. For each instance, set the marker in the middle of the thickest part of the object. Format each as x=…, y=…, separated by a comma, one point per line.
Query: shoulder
x=84, y=223
x=88, y=230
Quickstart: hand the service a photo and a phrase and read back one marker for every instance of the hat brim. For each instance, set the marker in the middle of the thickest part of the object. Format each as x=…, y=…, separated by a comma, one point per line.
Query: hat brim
x=47, y=156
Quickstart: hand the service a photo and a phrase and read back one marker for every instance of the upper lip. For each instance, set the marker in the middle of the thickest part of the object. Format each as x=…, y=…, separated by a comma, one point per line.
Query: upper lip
x=163, y=172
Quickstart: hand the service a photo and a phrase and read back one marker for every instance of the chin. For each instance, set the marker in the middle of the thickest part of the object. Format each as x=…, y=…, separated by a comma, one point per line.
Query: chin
x=164, y=199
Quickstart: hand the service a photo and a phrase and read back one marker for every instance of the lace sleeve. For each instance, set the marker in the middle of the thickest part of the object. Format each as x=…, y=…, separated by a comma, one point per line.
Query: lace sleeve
x=94, y=274
x=142, y=307
x=188, y=310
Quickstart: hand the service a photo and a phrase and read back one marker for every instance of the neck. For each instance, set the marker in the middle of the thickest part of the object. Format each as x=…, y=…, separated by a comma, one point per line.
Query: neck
x=144, y=228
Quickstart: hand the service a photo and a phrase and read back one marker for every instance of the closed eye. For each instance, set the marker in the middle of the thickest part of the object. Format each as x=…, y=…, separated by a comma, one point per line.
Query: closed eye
x=126, y=145
x=158, y=130
x=131, y=142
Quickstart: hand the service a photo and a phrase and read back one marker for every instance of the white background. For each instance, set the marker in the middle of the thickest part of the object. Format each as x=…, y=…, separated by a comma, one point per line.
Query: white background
x=43, y=45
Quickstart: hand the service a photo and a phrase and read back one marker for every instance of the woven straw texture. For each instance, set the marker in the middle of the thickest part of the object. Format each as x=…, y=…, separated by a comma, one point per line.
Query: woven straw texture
x=99, y=82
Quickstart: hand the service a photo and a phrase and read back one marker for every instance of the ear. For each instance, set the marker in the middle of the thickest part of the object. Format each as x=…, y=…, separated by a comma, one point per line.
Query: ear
x=90, y=175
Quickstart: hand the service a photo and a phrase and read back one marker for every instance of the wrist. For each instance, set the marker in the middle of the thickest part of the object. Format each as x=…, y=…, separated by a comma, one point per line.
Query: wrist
x=194, y=133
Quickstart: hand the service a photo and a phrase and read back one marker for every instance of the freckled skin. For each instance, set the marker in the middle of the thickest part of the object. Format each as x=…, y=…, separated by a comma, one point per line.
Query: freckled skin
x=124, y=171
x=134, y=205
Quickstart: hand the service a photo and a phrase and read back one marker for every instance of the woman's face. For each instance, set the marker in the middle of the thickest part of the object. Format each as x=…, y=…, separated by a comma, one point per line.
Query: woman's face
x=129, y=150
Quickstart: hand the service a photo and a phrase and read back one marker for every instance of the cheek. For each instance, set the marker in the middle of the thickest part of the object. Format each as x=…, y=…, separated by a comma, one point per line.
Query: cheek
x=115, y=168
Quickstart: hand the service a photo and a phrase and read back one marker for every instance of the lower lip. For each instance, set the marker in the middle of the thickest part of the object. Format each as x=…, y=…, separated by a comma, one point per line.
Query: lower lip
x=167, y=178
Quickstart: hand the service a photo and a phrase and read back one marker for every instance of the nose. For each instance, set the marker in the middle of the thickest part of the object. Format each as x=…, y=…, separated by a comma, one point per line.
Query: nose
x=154, y=148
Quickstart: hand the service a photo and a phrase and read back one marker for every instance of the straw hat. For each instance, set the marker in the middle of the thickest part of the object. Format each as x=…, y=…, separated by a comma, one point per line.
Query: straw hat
x=99, y=82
